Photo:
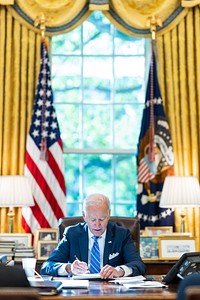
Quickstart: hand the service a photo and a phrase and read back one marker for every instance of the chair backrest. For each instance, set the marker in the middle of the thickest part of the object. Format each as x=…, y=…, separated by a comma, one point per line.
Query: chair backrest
x=13, y=276
x=19, y=293
x=192, y=293
x=133, y=224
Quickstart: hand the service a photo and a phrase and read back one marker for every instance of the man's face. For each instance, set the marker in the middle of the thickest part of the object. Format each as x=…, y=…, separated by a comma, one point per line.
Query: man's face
x=97, y=218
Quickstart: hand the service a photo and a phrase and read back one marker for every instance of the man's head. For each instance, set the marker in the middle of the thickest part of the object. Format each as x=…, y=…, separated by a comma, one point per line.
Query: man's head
x=96, y=212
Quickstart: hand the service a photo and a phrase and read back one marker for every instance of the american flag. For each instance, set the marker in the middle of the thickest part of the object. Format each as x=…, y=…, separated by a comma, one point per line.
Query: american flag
x=155, y=158
x=44, y=163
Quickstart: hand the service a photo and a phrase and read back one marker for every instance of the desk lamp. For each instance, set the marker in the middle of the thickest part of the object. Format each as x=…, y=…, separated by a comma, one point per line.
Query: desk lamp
x=15, y=191
x=180, y=191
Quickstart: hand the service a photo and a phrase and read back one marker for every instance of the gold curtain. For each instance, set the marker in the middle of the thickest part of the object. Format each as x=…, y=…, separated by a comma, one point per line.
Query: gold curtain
x=129, y=16
x=178, y=56
x=19, y=65
x=178, y=60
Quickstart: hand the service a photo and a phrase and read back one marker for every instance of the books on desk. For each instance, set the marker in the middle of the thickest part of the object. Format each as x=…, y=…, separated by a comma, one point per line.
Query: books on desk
x=22, y=252
x=46, y=287
x=7, y=248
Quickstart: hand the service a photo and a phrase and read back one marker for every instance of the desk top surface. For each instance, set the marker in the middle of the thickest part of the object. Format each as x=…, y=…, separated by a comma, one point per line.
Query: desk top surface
x=107, y=290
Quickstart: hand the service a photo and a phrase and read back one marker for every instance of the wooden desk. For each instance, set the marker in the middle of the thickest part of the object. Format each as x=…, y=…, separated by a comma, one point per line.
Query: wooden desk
x=158, y=267
x=104, y=290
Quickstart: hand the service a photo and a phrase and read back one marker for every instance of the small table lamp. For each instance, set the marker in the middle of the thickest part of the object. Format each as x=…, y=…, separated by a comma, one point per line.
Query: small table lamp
x=15, y=191
x=180, y=191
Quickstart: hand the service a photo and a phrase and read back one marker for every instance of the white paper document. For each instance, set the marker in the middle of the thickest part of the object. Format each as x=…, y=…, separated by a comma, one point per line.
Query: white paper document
x=86, y=276
x=129, y=279
x=78, y=284
x=137, y=282
x=144, y=284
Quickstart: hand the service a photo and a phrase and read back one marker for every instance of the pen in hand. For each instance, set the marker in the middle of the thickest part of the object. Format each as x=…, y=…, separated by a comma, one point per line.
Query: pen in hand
x=76, y=258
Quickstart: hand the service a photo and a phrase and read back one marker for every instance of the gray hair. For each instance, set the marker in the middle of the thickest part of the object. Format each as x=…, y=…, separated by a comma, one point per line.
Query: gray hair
x=95, y=199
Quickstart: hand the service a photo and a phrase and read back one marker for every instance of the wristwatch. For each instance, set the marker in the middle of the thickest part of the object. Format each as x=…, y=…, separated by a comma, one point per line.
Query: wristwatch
x=121, y=269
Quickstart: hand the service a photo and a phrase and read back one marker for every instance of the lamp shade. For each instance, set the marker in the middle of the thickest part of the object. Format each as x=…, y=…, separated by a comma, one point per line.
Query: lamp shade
x=15, y=191
x=180, y=191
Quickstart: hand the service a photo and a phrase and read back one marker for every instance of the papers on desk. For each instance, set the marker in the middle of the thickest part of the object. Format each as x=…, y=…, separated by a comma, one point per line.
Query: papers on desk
x=122, y=280
x=138, y=282
x=87, y=276
x=78, y=284
x=144, y=284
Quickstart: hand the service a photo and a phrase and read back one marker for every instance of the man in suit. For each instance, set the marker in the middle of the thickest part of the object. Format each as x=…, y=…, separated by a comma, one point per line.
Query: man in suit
x=118, y=255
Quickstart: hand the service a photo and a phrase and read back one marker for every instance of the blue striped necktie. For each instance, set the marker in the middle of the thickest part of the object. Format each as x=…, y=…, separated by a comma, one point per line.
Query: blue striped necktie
x=95, y=256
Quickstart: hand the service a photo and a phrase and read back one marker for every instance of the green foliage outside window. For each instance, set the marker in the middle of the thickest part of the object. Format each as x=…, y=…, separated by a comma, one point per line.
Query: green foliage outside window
x=98, y=81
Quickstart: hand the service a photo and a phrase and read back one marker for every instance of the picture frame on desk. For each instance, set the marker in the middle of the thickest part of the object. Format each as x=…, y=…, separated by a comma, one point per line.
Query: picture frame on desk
x=21, y=239
x=45, y=234
x=149, y=247
x=173, y=247
x=45, y=248
x=158, y=230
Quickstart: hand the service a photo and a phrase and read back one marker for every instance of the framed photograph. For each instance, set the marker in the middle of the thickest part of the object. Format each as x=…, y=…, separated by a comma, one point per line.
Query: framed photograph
x=45, y=248
x=172, y=248
x=149, y=247
x=21, y=239
x=45, y=234
x=158, y=230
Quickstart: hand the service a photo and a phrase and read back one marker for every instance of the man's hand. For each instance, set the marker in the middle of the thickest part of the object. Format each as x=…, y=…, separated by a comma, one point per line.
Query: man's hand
x=77, y=267
x=108, y=272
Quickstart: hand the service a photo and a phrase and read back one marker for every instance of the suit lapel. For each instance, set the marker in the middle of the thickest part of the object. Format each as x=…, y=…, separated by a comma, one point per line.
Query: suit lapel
x=108, y=244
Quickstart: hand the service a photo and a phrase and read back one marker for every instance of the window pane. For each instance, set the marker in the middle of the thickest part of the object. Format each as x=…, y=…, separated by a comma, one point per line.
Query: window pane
x=97, y=173
x=127, y=125
x=96, y=35
x=69, y=123
x=70, y=45
x=97, y=126
x=97, y=79
x=66, y=79
x=128, y=45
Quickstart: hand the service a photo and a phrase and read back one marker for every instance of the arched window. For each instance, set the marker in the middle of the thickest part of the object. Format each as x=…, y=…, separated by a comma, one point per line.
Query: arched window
x=98, y=79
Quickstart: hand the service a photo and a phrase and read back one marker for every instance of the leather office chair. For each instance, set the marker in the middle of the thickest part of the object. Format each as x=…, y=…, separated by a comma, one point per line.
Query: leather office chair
x=133, y=224
x=193, y=293
x=189, y=287
x=19, y=294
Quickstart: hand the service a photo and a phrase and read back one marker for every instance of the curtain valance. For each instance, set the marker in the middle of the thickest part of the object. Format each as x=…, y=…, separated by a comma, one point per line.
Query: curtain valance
x=129, y=16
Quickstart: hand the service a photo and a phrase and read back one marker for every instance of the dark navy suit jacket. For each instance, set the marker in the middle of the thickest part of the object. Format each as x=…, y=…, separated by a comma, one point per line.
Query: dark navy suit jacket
x=119, y=249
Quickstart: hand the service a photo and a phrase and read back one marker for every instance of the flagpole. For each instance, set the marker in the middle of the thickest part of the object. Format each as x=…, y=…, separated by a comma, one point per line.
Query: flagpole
x=41, y=20
x=152, y=23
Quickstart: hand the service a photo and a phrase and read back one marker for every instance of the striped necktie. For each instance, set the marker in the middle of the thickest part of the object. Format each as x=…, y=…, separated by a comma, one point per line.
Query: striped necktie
x=95, y=256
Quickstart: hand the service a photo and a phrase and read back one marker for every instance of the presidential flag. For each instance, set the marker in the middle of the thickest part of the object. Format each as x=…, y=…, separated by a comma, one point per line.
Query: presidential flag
x=44, y=163
x=155, y=159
